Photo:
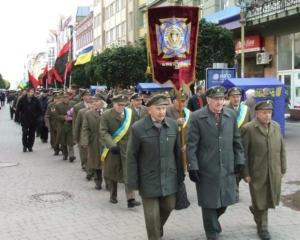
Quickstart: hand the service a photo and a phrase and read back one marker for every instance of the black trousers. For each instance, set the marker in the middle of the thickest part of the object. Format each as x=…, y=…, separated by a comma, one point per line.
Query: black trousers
x=28, y=136
x=44, y=133
x=12, y=112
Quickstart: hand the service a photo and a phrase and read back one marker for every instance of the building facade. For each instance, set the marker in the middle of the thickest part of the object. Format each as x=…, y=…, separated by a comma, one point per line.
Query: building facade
x=84, y=33
x=276, y=24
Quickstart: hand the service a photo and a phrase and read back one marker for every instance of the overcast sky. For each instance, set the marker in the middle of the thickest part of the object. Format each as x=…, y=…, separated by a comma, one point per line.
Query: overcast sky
x=25, y=26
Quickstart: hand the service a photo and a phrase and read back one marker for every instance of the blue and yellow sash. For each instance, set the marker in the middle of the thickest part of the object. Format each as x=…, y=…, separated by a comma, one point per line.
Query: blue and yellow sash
x=242, y=114
x=187, y=114
x=120, y=132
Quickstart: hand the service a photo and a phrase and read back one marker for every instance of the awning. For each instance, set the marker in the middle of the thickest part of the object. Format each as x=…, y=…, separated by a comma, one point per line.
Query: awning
x=151, y=87
x=221, y=16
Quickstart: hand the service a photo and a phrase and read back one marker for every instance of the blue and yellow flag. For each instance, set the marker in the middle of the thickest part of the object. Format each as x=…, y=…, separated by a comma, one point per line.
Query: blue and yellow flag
x=84, y=56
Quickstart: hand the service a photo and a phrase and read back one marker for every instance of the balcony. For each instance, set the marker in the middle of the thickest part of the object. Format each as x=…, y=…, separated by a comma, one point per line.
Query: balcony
x=271, y=10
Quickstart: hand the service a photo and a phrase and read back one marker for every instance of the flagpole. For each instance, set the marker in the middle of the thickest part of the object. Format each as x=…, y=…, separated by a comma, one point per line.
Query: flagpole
x=71, y=53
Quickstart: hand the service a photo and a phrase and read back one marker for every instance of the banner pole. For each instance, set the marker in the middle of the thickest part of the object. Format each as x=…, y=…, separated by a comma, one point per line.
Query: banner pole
x=181, y=132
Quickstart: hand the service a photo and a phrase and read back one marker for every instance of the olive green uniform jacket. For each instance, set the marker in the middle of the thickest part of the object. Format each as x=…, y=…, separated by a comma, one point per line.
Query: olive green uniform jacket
x=90, y=137
x=247, y=117
x=114, y=165
x=139, y=115
x=265, y=162
x=78, y=125
x=76, y=109
x=174, y=114
x=153, y=158
x=63, y=127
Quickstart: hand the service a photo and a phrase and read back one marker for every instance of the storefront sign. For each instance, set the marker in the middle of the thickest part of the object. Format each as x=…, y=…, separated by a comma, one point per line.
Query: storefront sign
x=216, y=76
x=252, y=44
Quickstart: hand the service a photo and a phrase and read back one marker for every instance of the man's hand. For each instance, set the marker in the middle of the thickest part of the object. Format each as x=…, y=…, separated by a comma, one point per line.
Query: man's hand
x=183, y=149
x=194, y=175
x=115, y=149
x=180, y=121
x=247, y=179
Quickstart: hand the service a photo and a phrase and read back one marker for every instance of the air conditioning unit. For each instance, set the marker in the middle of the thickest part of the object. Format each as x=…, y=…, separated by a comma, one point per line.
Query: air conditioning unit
x=263, y=58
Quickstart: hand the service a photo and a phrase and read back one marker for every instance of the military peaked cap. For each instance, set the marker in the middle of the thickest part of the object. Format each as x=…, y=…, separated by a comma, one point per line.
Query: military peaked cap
x=159, y=99
x=264, y=105
x=215, y=91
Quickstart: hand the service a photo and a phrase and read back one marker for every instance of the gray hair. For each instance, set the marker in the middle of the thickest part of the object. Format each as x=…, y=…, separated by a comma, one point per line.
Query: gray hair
x=250, y=93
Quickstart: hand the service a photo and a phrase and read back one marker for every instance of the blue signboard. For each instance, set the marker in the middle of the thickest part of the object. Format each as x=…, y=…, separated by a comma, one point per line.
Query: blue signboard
x=216, y=76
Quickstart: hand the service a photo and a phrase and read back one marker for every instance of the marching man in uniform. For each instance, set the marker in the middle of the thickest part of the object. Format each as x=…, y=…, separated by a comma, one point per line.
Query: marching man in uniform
x=114, y=130
x=265, y=164
x=153, y=164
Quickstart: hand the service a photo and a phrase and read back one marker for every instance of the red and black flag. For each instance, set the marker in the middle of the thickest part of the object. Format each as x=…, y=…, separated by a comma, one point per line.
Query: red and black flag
x=68, y=70
x=61, y=61
x=33, y=81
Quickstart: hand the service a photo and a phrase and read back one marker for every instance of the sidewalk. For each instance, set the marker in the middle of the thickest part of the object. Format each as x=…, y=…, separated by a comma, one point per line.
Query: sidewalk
x=74, y=210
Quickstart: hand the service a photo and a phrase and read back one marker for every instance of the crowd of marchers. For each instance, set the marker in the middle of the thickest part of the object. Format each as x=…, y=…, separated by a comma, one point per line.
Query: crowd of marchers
x=151, y=142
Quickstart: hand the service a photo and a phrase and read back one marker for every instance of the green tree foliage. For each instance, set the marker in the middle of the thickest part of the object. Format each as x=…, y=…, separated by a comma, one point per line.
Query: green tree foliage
x=117, y=66
x=4, y=84
x=215, y=44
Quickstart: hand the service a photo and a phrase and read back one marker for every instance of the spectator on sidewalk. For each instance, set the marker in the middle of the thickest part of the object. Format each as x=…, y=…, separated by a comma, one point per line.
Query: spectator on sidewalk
x=198, y=100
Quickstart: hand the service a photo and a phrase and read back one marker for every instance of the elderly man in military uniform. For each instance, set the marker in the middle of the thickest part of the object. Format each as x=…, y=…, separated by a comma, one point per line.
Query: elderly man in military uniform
x=90, y=139
x=51, y=122
x=139, y=111
x=64, y=127
x=242, y=111
x=242, y=116
x=156, y=174
x=83, y=104
x=265, y=164
x=215, y=153
x=114, y=130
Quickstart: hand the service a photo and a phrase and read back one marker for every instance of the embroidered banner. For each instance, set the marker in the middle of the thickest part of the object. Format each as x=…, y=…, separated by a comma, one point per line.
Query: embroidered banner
x=172, y=43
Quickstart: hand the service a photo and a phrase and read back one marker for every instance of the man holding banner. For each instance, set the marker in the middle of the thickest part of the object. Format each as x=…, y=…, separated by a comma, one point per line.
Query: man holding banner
x=172, y=48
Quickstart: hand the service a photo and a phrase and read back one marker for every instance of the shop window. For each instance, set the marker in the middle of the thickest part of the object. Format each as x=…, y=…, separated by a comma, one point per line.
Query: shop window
x=285, y=52
x=297, y=51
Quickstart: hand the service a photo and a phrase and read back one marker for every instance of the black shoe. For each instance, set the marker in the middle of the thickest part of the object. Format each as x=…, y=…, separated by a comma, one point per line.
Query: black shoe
x=71, y=159
x=251, y=209
x=98, y=187
x=89, y=176
x=264, y=235
x=113, y=200
x=24, y=149
x=30, y=149
x=131, y=203
x=56, y=153
x=65, y=158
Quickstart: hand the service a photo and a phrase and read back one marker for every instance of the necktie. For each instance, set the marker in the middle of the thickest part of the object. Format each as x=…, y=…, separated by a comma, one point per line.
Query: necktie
x=217, y=118
x=200, y=102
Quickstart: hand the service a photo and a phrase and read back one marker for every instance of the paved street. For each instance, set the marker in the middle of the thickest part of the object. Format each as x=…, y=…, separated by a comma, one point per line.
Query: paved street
x=46, y=198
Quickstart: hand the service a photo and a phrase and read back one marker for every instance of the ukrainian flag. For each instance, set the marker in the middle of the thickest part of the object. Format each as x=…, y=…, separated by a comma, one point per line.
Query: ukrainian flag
x=84, y=56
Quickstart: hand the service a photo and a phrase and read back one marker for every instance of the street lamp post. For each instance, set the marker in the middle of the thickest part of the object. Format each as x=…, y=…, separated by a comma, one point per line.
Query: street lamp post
x=243, y=24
